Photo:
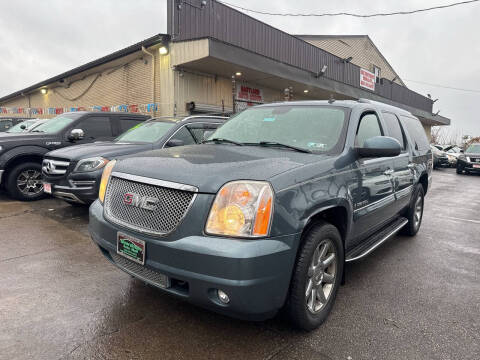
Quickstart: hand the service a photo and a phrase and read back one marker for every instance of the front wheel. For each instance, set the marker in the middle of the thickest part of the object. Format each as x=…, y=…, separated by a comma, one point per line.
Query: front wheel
x=317, y=277
x=415, y=212
x=24, y=182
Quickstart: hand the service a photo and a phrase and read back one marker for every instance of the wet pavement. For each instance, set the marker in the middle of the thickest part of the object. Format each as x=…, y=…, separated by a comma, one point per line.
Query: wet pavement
x=411, y=299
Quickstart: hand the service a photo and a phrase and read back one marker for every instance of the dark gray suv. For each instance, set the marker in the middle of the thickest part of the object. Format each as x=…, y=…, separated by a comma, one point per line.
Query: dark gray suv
x=264, y=215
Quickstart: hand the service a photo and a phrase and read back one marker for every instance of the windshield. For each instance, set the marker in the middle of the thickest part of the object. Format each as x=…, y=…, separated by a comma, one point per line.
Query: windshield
x=56, y=124
x=312, y=128
x=474, y=149
x=20, y=127
x=148, y=132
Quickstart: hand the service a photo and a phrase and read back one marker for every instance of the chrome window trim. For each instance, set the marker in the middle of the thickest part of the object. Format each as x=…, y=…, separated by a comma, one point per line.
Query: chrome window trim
x=156, y=182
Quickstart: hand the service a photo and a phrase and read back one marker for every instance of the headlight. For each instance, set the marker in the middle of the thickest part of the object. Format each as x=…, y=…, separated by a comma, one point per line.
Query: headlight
x=87, y=165
x=105, y=178
x=242, y=209
x=1, y=148
x=468, y=158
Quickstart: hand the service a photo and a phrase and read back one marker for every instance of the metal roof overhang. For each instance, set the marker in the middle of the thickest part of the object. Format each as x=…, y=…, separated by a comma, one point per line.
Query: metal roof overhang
x=225, y=60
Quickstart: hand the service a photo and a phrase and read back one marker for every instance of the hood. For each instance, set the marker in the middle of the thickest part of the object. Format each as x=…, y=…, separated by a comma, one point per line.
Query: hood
x=475, y=155
x=107, y=149
x=208, y=167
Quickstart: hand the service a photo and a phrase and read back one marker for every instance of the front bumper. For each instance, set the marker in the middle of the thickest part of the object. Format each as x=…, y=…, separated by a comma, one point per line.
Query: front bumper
x=80, y=188
x=254, y=273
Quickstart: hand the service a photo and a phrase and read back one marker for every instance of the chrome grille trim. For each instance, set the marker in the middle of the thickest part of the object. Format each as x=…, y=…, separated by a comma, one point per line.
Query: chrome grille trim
x=174, y=204
x=141, y=272
x=54, y=167
x=157, y=182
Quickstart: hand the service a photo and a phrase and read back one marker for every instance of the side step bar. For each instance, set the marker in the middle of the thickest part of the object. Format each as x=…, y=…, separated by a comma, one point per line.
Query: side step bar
x=377, y=239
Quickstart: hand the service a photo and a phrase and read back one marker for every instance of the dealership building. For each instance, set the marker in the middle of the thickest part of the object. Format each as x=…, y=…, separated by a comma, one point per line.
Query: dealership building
x=215, y=59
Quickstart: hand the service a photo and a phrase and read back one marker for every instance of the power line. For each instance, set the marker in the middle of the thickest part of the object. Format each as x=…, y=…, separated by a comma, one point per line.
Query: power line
x=352, y=14
x=444, y=86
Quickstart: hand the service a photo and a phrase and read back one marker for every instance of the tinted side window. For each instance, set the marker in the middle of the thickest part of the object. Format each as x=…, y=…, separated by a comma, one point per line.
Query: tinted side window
x=201, y=132
x=368, y=127
x=95, y=127
x=394, y=129
x=126, y=124
x=184, y=135
x=416, y=131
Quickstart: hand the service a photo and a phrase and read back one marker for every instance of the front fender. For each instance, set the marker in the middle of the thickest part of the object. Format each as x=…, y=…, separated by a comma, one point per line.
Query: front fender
x=10, y=155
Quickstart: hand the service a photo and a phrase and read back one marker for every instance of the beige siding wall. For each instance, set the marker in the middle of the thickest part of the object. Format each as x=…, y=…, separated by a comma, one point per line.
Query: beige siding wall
x=361, y=49
x=130, y=83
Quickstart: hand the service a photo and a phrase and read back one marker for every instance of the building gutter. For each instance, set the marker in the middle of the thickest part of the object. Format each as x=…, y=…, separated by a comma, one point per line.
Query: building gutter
x=153, y=71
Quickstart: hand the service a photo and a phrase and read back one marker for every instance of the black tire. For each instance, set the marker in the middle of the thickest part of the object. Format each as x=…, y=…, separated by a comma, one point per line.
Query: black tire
x=17, y=175
x=411, y=229
x=297, y=306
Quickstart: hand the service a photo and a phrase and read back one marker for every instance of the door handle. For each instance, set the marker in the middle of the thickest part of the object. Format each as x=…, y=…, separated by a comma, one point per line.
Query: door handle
x=388, y=172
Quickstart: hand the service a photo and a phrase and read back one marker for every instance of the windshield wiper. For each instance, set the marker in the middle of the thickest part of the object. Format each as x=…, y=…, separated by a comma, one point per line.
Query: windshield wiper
x=37, y=131
x=222, y=140
x=273, y=143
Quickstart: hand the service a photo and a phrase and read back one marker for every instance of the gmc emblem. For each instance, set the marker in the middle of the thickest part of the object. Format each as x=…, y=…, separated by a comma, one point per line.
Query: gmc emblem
x=142, y=202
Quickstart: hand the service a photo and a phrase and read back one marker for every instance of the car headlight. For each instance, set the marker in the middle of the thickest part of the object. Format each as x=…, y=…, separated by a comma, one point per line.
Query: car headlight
x=468, y=158
x=91, y=164
x=242, y=209
x=1, y=148
x=107, y=171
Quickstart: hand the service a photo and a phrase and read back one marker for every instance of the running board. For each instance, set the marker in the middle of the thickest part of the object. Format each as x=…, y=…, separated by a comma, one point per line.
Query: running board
x=377, y=239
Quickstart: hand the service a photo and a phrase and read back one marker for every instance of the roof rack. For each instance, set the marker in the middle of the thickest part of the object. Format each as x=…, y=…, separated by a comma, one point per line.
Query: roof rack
x=364, y=101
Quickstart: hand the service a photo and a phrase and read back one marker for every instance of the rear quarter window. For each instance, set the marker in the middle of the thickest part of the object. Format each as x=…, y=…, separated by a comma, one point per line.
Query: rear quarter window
x=417, y=133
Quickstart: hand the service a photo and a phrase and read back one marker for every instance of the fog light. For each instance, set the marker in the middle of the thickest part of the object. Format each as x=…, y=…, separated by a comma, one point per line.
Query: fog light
x=223, y=296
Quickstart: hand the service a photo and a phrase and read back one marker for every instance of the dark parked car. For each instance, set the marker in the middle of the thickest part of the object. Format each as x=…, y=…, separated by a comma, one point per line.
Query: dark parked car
x=21, y=154
x=73, y=174
x=8, y=122
x=440, y=158
x=469, y=161
x=265, y=214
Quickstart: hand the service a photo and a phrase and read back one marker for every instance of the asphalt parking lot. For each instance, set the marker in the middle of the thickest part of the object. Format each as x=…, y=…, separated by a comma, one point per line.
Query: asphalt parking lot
x=411, y=299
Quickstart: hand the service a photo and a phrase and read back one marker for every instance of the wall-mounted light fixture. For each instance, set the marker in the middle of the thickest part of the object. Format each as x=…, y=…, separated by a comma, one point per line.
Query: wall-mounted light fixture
x=321, y=72
x=44, y=91
x=238, y=73
x=347, y=60
x=305, y=91
x=434, y=101
x=163, y=50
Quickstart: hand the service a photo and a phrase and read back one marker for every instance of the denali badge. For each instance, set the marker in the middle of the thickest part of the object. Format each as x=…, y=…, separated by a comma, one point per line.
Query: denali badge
x=143, y=202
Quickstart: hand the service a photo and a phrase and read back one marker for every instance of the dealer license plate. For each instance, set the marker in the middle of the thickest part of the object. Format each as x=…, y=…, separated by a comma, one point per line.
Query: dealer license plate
x=47, y=188
x=131, y=248
x=476, y=166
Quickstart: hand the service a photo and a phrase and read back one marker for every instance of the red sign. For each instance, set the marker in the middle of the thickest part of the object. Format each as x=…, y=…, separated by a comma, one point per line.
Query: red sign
x=367, y=79
x=247, y=93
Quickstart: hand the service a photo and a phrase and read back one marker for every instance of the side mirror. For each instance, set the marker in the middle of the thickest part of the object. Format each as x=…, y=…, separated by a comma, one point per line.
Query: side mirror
x=76, y=134
x=380, y=146
x=23, y=126
x=462, y=151
x=173, y=143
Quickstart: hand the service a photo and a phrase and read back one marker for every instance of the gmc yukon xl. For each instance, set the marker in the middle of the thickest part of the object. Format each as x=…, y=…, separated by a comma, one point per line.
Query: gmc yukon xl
x=264, y=215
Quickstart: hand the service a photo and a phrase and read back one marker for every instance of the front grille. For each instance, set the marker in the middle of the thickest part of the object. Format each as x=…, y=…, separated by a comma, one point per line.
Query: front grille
x=475, y=160
x=169, y=210
x=51, y=167
x=140, y=271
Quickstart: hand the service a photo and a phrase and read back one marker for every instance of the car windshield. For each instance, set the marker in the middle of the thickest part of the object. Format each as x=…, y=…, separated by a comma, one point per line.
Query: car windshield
x=56, y=124
x=475, y=148
x=305, y=127
x=20, y=127
x=148, y=132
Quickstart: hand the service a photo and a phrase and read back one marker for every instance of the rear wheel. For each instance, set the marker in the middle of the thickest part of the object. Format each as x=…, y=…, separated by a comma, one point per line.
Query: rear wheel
x=24, y=182
x=317, y=277
x=415, y=212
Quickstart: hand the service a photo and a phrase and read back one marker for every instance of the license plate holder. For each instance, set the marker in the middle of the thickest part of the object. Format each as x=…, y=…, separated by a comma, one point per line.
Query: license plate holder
x=131, y=248
x=47, y=188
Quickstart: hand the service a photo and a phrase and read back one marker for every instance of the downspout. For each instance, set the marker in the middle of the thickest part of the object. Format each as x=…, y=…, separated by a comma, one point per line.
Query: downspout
x=153, y=71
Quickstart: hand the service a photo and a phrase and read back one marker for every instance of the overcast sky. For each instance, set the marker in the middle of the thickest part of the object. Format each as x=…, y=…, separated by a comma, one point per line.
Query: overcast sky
x=40, y=39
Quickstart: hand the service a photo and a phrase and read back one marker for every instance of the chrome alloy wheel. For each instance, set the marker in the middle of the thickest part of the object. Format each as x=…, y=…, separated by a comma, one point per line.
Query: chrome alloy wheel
x=29, y=182
x=321, y=276
x=418, y=212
